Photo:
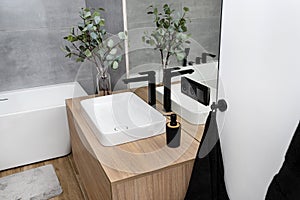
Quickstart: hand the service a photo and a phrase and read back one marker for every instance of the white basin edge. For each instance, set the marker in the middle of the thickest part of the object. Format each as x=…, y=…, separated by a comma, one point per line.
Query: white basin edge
x=119, y=137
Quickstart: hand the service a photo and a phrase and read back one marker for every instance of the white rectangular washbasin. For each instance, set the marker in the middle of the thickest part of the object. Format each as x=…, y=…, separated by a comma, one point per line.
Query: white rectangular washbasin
x=186, y=107
x=122, y=118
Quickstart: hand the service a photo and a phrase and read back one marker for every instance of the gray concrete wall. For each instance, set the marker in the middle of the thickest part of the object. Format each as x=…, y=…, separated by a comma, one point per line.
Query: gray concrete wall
x=31, y=37
x=204, y=27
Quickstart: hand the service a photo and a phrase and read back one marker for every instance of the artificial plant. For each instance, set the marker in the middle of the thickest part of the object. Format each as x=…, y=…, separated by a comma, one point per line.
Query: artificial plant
x=170, y=34
x=90, y=41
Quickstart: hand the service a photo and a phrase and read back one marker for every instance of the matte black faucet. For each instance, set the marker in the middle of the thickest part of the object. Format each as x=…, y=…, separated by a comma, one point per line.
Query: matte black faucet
x=185, y=61
x=204, y=57
x=151, y=85
x=168, y=74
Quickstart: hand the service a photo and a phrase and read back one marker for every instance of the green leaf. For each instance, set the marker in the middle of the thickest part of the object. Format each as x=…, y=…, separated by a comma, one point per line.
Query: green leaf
x=118, y=58
x=102, y=22
x=152, y=42
x=82, y=48
x=68, y=55
x=80, y=28
x=115, y=65
x=97, y=19
x=113, y=51
x=93, y=35
x=88, y=53
x=180, y=55
x=101, y=52
x=110, y=57
x=88, y=27
x=68, y=49
x=95, y=13
x=161, y=31
x=71, y=38
x=79, y=59
x=186, y=9
x=103, y=32
x=184, y=28
x=122, y=35
x=87, y=14
x=110, y=43
x=182, y=36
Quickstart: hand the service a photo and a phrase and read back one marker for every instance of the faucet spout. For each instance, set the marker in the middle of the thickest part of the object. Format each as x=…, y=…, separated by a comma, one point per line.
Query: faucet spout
x=151, y=85
x=135, y=79
x=182, y=72
x=204, y=56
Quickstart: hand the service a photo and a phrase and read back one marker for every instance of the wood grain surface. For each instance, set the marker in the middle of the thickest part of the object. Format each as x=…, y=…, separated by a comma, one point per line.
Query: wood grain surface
x=143, y=169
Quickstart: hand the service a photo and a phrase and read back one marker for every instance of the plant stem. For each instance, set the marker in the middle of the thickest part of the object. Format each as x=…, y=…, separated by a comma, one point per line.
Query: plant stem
x=162, y=58
x=167, y=59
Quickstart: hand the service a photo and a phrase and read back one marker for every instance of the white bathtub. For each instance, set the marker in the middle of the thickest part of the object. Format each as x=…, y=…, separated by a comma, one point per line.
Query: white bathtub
x=33, y=124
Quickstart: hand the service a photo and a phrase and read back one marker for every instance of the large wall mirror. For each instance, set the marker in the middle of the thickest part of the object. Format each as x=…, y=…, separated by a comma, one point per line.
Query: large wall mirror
x=203, y=25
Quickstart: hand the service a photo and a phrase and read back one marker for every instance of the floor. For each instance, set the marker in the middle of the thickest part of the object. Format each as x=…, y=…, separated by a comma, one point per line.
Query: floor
x=66, y=173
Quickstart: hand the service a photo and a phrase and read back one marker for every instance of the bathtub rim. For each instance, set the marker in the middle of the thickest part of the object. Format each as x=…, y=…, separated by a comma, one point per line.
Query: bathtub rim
x=75, y=83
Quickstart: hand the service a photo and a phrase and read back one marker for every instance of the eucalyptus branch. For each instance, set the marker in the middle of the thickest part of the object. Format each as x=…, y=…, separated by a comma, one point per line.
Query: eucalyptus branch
x=109, y=49
x=91, y=34
x=96, y=56
x=166, y=36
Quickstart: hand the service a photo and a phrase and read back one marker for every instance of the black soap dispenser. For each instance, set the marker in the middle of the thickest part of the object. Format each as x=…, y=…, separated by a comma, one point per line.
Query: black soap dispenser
x=173, y=132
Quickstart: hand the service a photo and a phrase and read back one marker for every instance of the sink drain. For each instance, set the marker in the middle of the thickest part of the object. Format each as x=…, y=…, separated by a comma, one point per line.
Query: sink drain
x=120, y=128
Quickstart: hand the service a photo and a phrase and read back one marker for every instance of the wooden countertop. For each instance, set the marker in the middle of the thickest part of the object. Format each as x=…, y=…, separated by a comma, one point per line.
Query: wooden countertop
x=139, y=157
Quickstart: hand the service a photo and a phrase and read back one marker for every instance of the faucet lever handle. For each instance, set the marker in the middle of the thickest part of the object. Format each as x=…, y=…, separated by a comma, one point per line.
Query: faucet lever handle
x=208, y=54
x=149, y=73
x=171, y=69
x=151, y=76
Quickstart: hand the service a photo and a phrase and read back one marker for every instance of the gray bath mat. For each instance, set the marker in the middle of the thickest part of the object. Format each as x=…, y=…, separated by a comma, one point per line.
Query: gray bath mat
x=35, y=184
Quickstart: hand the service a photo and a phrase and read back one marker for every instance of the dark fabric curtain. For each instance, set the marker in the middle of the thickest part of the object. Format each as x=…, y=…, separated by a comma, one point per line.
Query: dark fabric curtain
x=207, y=180
x=286, y=184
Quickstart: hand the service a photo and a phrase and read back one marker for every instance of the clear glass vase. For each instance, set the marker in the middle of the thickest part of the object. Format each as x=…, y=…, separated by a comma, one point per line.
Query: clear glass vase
x=103, y=83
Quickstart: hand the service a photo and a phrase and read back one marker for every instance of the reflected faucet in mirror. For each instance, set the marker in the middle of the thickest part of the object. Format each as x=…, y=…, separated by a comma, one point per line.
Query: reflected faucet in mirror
x=198, y=60
x=203, y=58
x=168, y=74
x=151, y=85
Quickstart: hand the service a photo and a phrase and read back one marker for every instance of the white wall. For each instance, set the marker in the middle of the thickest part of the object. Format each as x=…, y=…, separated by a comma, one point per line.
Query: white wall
x=260, y=79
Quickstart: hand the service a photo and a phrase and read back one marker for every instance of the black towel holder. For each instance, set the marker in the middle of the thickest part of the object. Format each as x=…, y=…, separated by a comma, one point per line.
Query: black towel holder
x=221, y=105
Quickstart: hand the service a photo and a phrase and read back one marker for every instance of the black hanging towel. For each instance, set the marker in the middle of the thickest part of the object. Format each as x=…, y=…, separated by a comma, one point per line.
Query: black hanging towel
x=207, y=179
x=286, y=184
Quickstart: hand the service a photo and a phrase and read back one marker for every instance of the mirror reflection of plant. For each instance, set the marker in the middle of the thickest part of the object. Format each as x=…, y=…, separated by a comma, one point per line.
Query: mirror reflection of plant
x=91, y=42
x=170, y=34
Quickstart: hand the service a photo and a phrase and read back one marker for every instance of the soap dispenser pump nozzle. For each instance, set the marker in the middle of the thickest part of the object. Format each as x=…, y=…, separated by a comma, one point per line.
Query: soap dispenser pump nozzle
x=173, y=120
